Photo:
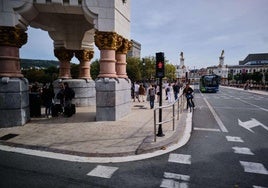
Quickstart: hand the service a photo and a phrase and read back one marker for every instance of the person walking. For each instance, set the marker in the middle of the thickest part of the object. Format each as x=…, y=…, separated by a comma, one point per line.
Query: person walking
x=168, y=90
x=142, y=92
x=151, y=93
x=136, y=91
x=69, y=94
x=188, y=91
x=176, y=90
x=48, y=96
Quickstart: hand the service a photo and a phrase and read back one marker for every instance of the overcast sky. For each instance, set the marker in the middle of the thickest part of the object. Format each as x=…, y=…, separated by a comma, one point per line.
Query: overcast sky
x=200, y=29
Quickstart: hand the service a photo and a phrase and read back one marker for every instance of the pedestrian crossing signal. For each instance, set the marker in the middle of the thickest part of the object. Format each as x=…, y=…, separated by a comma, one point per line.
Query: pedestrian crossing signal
x=160, y=65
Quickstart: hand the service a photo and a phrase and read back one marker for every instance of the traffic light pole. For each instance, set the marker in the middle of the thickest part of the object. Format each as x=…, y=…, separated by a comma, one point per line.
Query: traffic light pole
x=160, y=131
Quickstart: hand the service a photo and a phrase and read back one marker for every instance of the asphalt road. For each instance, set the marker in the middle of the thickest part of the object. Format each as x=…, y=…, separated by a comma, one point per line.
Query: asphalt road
x=228, y=148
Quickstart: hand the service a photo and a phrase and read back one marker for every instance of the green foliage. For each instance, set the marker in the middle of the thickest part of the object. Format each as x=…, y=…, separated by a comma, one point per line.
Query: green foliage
x=170, y=71
x=75, y=71
x=133, y=69
x=95, y=69
x=34, y=63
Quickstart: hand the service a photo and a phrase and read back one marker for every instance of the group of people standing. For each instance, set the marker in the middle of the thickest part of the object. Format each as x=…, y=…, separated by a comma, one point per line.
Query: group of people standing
x=65, y=96
x=152, y=92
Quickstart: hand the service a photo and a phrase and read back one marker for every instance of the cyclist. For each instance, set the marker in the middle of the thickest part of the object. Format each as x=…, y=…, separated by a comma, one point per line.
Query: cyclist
x=188, y=91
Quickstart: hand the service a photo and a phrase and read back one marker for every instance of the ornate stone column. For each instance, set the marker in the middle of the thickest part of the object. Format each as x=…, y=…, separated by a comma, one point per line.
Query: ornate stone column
x=121, y=64
x=14, y=89
x=64, y=57
x=84, y=56
x=11, y=39
x=108, y=43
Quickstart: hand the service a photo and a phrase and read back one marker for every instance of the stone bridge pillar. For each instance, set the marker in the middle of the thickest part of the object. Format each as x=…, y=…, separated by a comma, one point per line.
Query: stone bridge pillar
x=64, y=57
x=84, y=57
x=111, y=85
x=14, y=89
x=121, y=56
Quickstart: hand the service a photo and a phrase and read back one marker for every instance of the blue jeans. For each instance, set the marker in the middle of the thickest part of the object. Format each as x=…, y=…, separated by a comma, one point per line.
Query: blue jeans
x=152, y=98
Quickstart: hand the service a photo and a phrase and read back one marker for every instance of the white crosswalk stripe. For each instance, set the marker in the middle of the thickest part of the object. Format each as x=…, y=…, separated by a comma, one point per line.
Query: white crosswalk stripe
x=102, y=171
x=173, y=180
x=252, y=167
x=240, y=150
x=169, y=183
x=179, y=158
x=234, y=139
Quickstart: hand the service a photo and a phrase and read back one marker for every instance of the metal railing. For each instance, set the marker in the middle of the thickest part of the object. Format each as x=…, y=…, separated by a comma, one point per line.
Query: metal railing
x=177, y=107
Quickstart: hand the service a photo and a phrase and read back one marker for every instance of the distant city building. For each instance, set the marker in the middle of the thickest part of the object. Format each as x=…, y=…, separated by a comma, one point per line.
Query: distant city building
x=135, y=50
x=251, y=64
x=220, y=70
x=255, y=59
x=181, y=70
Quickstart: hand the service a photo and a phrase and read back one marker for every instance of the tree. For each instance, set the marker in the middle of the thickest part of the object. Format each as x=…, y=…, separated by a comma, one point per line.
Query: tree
x=133, y=69
x=95, y=69
x=170, y=71
x=75, y=71
x=147, y=67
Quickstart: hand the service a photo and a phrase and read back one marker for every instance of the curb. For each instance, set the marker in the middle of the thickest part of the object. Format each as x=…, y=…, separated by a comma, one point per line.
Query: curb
x=143, y=152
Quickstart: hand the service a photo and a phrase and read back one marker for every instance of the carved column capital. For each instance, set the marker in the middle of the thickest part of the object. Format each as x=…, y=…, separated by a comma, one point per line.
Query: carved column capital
x=84, y=55
x=107, y=40
x=125, y=47
x=12, y=36
x=64, y=54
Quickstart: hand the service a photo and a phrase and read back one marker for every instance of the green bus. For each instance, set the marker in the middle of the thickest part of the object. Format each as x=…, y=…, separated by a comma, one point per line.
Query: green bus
x=209, y=83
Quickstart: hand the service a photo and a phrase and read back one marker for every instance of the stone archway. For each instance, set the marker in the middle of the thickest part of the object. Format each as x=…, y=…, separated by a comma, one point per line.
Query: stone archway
x=74, y=26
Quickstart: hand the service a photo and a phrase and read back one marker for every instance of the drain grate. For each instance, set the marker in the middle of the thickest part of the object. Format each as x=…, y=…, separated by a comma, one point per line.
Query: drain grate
x=8, y=136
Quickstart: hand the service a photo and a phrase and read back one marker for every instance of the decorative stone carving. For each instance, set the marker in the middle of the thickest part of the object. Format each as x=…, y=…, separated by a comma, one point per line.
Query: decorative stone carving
x=84, y=56
x=125, y=47
x=12, y=36
x=65, y=57
x=63, y=54
x=107, y=40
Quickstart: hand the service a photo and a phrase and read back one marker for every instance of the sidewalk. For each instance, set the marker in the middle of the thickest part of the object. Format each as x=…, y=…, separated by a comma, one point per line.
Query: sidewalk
x=80, y=135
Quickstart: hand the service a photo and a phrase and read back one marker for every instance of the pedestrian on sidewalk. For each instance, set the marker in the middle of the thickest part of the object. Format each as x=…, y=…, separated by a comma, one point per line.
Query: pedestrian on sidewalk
x=168, y=90
x=188, y=91
x=142, y=92
x=48, y=96
x=176, y=90
x=136, y=91
x=151, y=93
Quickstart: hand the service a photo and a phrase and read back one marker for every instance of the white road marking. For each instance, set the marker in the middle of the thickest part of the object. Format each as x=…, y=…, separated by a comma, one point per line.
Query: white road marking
x=255, y=186
x=103, y=171
x=251, y=167
x=234, y=139
x=264, y=109
x=206, y=129
x=180, y=177
x=179, y=158
x=251, y=124
x=218, y=120
x=240, y=150
x=169, y=183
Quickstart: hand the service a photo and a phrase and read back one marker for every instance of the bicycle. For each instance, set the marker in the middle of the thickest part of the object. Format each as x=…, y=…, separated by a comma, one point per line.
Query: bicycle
x=190, y=103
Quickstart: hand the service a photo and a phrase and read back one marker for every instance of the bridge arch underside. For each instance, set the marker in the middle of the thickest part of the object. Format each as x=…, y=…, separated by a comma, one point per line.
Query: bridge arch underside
x=74, y=31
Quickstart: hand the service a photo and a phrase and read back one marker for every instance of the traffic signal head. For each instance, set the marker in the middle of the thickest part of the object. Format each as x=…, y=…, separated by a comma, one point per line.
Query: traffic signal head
x=160, y=65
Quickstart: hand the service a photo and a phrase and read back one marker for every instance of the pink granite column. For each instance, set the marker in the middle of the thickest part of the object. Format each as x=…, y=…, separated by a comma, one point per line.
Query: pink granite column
x=11, y=39
x=107, y=42
x=121, y=64
x=84, y=56
x=64, y=57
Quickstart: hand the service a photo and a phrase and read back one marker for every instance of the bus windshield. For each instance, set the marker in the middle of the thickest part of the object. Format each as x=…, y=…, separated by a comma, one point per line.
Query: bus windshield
x=209, y=83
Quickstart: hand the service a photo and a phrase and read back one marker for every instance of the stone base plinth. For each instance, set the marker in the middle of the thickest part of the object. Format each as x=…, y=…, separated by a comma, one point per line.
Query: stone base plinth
x=85, y=92
x=113, y=99
x=14, y=102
